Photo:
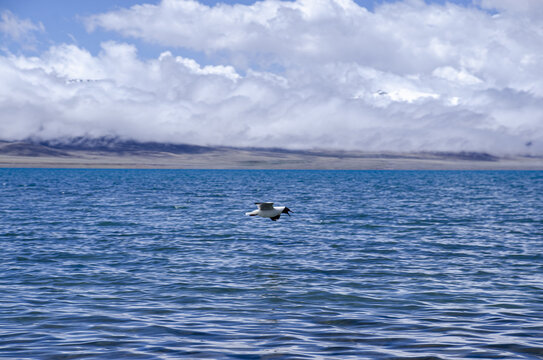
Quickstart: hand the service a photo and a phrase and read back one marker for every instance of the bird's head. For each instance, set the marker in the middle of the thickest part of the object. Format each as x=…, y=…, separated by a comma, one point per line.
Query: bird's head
x=286, y=210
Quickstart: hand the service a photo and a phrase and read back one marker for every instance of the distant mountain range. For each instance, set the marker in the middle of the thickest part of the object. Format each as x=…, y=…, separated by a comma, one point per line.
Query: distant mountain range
x=64, y=147
x=67, y=147
x=111, y=152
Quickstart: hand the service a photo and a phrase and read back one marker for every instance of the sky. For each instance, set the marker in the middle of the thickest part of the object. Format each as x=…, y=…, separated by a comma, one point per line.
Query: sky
x=370, y=75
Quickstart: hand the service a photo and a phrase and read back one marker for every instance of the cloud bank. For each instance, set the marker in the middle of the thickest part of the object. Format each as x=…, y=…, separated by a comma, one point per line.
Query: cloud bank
x=305, y=74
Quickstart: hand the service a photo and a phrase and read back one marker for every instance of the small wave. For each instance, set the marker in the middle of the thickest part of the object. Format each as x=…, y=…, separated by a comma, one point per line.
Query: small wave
x=115, y=224
x=169, y=207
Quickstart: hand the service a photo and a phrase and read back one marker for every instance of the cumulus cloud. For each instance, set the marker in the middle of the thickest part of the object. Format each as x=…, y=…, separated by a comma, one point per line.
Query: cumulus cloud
x=403, y=37
x=305, y=74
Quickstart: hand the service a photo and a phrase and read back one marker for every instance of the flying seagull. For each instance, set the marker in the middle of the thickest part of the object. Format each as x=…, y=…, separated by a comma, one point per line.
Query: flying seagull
x=267, y=210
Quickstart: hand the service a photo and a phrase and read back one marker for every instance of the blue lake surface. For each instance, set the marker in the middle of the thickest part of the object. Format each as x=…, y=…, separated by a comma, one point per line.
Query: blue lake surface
x=163, y=264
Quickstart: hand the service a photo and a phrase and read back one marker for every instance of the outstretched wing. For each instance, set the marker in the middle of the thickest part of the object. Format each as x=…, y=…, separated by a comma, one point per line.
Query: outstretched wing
x=265, y=206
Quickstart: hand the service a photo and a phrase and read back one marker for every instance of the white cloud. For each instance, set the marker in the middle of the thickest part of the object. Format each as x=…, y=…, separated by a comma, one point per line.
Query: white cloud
x=21, y=31
x=525, y=7
x=461, y=77
x=407, y=77
x=227, y=71
x=404, y=37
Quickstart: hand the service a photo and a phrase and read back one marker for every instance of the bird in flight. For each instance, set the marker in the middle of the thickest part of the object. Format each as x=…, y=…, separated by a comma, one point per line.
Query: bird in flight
x=267, y=210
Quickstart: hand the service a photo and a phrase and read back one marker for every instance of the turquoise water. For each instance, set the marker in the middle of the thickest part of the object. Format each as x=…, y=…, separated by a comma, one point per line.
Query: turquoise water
x=160, y=264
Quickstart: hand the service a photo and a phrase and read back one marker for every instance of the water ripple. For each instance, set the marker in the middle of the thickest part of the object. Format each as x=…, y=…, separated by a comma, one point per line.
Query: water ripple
x=164, y=265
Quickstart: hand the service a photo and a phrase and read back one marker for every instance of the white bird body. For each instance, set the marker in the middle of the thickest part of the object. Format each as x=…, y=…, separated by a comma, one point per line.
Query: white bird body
x=267, y=210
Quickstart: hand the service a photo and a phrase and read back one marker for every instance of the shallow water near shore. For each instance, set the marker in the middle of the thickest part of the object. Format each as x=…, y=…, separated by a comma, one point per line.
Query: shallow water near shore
x=163, y=264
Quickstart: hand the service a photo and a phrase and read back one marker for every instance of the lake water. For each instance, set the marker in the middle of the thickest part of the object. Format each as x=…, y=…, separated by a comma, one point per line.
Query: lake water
x=163, y=264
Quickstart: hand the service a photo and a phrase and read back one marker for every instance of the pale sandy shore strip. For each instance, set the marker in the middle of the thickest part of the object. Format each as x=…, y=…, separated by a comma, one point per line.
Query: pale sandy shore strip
x=246, y=159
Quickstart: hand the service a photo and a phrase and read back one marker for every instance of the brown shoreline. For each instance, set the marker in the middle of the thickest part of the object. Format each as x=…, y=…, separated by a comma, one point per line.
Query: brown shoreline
x=227, y=158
